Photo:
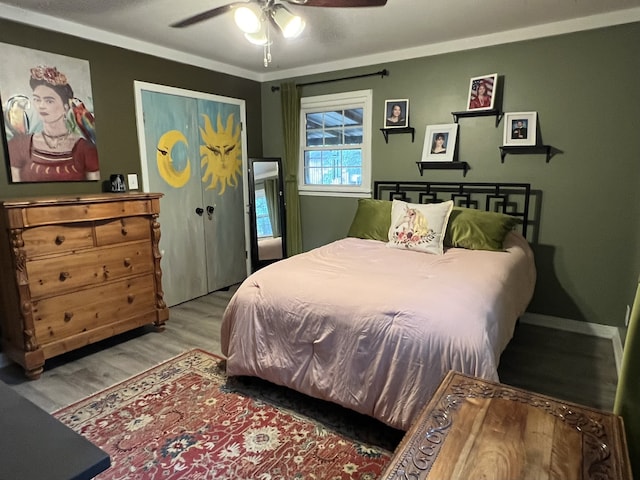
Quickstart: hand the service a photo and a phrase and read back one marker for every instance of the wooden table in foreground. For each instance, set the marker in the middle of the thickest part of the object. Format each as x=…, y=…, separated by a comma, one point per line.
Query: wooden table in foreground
x=476, y=429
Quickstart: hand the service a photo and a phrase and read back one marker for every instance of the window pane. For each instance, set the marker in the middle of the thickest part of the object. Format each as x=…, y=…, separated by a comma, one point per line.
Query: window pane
x=336, y=127
x=338, y=167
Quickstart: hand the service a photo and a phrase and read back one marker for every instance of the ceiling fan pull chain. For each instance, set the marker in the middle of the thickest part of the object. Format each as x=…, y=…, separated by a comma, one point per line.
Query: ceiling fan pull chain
x=267, y=48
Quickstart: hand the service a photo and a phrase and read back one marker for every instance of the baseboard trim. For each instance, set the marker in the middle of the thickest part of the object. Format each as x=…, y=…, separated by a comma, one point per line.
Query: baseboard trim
x=586, y=328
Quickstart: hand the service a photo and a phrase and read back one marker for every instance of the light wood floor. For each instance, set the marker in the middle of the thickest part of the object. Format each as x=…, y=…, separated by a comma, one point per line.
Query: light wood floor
x=568, y=366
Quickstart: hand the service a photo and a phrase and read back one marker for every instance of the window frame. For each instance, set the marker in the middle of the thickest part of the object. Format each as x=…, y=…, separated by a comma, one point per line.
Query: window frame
x=322, y=103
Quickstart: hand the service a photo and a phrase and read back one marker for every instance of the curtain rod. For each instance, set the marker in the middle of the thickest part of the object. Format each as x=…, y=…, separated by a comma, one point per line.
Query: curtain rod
x=382, y=73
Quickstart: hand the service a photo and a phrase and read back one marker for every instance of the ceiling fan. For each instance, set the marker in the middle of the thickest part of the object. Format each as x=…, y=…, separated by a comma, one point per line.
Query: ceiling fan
x=253, y=17
x=268, y=6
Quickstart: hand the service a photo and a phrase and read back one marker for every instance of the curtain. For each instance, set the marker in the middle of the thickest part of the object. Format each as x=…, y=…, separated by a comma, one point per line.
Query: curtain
x=290, y=102
x=627, y=403
x=273, y=205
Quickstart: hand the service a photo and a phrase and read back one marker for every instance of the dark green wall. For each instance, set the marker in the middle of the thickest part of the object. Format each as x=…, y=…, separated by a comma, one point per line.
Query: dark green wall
x=586, y=89
x=113, y=71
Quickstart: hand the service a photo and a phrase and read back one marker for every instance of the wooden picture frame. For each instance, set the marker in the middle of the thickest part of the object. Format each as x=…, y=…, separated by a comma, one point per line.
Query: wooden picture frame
x=396, y=113
x=482, y=91
x=520, y=129
x=440, y=143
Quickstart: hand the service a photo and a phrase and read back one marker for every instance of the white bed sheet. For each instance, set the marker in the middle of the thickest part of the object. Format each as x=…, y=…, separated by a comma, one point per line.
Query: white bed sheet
x=373, y=328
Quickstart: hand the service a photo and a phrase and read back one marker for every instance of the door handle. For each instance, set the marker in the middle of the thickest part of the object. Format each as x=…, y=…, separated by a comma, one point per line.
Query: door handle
x=210, y=211
x=199, y=211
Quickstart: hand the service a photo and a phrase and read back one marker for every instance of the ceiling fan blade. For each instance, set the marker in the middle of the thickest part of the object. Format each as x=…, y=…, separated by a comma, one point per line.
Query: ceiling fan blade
x=214, y=12
x=339, y=3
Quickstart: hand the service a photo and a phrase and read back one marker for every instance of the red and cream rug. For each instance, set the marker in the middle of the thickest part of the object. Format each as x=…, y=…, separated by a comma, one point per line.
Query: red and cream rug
x=183, y=419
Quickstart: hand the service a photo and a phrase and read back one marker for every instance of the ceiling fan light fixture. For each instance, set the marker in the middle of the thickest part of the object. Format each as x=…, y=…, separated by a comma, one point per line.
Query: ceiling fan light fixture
x=290, y=24
x=261, y=37
x=248, y=19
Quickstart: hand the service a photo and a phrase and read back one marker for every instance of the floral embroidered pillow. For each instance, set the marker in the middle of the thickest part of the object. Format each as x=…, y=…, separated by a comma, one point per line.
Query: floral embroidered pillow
x=419, y=227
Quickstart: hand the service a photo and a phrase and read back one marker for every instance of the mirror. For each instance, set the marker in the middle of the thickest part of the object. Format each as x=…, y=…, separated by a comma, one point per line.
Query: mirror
x=266, y=212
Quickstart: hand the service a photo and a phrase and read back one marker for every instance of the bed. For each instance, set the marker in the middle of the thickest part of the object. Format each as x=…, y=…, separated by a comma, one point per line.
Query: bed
x=372, y=324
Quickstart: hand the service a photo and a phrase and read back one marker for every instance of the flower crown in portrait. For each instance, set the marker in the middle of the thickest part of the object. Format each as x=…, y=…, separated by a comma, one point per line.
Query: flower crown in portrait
x=51, y=75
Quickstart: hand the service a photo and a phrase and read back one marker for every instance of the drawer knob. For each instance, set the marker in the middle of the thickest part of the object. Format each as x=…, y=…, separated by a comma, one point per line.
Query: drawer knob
x=131, y=297
x=127, y=262
x=64, y=276
x=124, y=231
x=60, y=239
x=105, y=272
x=68, y=316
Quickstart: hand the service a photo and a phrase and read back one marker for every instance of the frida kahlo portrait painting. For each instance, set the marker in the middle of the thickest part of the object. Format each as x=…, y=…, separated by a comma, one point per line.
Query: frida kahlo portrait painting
x=49, y=124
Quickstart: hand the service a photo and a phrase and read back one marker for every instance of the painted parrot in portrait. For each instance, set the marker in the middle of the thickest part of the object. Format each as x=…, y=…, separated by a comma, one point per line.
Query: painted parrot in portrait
x=15, y=114
x=84, y=119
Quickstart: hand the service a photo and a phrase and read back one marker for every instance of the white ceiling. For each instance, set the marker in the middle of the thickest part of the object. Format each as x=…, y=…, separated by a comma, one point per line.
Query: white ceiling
x=335, y=38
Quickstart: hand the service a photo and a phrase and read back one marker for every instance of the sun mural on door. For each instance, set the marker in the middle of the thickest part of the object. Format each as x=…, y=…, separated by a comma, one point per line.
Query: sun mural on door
x=221, y=154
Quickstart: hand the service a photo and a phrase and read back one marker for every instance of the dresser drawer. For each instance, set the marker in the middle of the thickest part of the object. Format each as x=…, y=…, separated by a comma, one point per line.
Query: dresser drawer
x=57, y=238
x=49, y=214
x=57, y=275
x=60, y=317
x=125, y=229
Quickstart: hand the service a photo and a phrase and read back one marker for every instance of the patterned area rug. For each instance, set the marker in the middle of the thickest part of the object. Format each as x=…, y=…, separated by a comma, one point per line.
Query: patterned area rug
x=183, y=419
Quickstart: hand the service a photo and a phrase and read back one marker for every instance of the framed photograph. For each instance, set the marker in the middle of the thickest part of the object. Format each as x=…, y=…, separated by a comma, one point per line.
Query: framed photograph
x=396, y=113
x=481, y=92
x=49, y=127
x=439, y=143
x=520, y=128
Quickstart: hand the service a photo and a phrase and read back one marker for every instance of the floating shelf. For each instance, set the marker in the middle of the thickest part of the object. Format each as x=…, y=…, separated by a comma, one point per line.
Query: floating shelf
x=478, y=113
x=422, y=166
x=524, y=149
x=387, y=131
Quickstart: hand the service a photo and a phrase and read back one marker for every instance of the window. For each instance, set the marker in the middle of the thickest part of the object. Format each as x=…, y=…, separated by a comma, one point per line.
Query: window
x=263, y=223
x=335, y=139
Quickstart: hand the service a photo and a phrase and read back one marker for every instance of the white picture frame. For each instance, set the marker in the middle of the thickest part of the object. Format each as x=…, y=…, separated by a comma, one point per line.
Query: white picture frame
x=439, y=143
x=394, y=119
x=520, y=129
x=482, y=92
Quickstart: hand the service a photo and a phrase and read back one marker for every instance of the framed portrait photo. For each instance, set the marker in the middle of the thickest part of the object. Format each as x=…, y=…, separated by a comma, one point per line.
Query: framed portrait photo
x=482, y=92
x=396, y=113
x=439, y=143
x=520, y=128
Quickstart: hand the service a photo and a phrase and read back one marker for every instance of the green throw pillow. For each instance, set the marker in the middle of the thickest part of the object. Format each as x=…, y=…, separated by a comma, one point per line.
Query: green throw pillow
x=372, y=220
x=477, y=229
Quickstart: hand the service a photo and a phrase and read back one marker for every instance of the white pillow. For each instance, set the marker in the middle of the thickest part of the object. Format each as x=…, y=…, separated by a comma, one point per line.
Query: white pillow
x=419, y=227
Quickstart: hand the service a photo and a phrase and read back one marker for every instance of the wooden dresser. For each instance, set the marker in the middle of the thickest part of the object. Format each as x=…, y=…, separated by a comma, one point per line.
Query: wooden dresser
x=473, y=429
x=76, y=270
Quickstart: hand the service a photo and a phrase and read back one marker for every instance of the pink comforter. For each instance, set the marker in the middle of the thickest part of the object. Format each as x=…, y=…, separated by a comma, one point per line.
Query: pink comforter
x=375, y=329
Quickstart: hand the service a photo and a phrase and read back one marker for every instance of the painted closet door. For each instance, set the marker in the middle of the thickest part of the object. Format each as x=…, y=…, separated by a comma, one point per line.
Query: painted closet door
x=224, y=190
x=193, y=154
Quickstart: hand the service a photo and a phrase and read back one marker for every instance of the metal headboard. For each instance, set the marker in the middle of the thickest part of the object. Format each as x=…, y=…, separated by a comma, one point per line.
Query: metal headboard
x=510, y=198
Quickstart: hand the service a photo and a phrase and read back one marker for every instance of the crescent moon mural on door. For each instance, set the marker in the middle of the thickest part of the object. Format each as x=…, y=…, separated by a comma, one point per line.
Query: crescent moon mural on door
x=166, y=165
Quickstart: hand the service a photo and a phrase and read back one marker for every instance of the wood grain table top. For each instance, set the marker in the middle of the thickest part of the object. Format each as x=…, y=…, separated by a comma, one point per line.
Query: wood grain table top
x=477, y=429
